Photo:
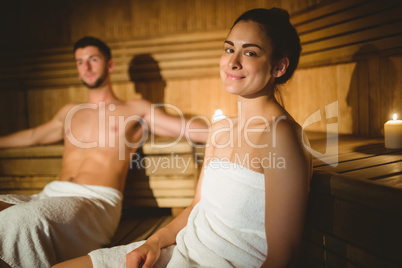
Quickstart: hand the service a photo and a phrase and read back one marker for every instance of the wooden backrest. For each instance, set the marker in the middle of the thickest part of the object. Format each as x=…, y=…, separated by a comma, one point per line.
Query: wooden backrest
x=158, y=177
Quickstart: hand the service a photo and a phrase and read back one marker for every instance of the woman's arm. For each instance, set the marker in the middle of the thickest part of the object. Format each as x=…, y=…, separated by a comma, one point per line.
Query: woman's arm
x=286, y=189
x=149, y=252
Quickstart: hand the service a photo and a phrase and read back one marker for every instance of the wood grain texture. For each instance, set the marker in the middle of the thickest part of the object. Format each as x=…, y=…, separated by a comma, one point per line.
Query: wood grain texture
x=351, y=54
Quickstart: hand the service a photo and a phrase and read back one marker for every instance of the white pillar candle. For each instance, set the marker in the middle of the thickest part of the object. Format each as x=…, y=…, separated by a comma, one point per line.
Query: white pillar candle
x=393, y=133
x=218, y=115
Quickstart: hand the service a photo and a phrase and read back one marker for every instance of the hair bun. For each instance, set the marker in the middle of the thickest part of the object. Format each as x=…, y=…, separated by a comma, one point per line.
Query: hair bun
x=281, y=13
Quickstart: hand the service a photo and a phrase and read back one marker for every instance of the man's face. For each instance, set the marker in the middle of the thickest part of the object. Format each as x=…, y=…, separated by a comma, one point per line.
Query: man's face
x=93, y=70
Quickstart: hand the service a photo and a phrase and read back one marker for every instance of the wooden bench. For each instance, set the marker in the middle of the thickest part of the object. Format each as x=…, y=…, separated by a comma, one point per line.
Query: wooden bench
x=354, y=212
x=354, y=215
x=152, y=196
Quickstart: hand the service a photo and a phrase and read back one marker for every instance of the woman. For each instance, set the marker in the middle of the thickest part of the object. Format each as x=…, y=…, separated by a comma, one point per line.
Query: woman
x=251, y=198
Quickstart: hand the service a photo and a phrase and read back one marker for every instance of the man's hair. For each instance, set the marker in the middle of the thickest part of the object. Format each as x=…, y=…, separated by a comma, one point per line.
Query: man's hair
x=92, y=41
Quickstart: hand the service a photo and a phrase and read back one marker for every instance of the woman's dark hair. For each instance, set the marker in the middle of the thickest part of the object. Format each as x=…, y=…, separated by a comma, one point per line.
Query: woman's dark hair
x=92, y=41
x=284, y=38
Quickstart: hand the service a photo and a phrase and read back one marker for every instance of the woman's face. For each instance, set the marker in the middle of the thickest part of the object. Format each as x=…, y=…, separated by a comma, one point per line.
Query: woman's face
x=245, y=64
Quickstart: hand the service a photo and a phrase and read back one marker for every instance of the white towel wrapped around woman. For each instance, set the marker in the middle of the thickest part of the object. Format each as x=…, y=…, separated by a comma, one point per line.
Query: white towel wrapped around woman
x=225, y=229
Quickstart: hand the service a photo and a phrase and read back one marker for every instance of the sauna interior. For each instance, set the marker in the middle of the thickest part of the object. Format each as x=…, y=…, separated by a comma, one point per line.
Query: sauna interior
x=348, y=85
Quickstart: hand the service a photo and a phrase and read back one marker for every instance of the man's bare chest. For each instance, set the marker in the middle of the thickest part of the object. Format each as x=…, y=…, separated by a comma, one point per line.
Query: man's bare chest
x=101, y=127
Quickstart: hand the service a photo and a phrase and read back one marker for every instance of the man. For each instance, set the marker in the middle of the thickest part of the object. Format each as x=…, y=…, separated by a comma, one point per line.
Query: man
x=80, y=212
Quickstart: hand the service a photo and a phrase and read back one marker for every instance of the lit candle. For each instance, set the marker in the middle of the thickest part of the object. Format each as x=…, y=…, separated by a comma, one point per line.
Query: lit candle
x=218, y=115
x=393, y=133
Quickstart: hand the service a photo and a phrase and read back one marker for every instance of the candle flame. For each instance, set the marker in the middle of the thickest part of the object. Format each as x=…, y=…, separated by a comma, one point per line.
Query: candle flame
x=394, y=117
x=218, y=112
x=218, y=115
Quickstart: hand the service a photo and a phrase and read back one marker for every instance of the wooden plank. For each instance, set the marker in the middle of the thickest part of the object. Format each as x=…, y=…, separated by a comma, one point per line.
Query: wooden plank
x=163, y=182
x=351, y=165
x=367, y=259
x=353, y=223
x=336, y=252
x=157, y=145
x=367, y=193
x=357, y=23
x=361, y=152
x=205, y=45
x=348, y=53
x=161, y=193
x=333, y=260
x=143, y=230
x=184, y=55
x=355, y=10
x=12, y=110
x=24, y=183
x=313, y=251
x=316, y=13
x=159, y=202
x=335, y=245
x=381, y=171
x=131, y=230
x=33, y=152
x=376, y=123
x=320, y=211
x=306, y=260
x=40, y=166
x=363, y=98
x=366, y=35
x=343, y=157
x=194, y=37
x=43, y=74
x=349, y=149
x=24, y=192
x=172, y=202
x=169, y=165
x=392, y=181
x=125, y=228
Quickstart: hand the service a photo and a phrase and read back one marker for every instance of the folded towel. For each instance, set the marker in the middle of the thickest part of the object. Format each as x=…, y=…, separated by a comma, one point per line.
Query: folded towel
x=226, y=228
x=66, y=220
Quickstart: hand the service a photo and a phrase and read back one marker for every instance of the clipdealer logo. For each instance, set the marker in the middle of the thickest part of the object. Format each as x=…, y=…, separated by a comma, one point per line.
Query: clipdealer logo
x=331, y=149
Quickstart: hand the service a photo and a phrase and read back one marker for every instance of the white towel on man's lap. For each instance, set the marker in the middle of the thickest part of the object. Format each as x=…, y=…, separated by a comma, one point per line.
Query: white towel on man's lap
x=64, y=221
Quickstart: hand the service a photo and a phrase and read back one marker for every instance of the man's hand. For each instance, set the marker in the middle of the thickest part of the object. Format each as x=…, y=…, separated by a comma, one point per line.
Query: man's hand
x=144, y=256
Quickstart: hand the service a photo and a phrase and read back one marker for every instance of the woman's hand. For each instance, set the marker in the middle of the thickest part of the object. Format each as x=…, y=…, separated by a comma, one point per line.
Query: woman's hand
x=144, y=256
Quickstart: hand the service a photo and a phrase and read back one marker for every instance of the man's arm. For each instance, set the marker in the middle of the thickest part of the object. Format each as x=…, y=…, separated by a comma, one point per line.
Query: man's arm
x=46, y=133
x=163, y=124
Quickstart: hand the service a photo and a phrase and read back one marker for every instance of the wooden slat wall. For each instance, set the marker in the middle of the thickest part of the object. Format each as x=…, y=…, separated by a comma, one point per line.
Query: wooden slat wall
x=351, y=54
x=168, y=183
x=44, y=23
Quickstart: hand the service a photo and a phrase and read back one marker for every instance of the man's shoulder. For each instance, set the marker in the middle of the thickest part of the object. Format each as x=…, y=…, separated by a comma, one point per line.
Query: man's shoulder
x=65, y=109
x=137, y=103
x=134, y=107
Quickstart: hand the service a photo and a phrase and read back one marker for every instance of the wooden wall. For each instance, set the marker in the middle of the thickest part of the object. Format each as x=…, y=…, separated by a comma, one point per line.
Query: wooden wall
x=37, y=73
x=168, y=51
x=47, y=23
